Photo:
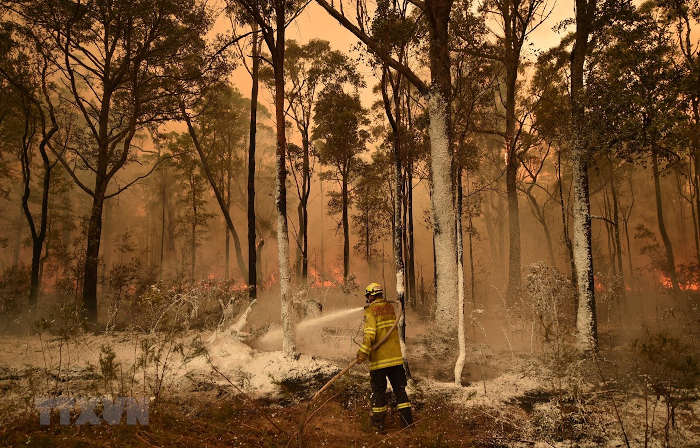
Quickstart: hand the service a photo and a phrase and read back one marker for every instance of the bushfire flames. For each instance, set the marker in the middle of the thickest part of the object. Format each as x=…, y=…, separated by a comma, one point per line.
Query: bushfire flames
x=665, y=282
x=316, y=280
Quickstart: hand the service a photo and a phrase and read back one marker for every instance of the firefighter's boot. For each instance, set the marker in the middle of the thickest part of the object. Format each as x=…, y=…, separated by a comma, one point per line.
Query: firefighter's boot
x=406, y=417
x=378, y=422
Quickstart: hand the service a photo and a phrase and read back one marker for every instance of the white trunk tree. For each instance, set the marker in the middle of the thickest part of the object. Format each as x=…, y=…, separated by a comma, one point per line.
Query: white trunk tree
x=443, y=211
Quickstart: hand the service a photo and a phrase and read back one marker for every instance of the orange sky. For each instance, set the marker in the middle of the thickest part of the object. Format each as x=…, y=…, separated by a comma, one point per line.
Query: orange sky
x=315, y=23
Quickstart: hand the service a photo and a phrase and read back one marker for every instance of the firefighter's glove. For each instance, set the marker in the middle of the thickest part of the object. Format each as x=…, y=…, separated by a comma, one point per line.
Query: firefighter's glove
x=361, y=357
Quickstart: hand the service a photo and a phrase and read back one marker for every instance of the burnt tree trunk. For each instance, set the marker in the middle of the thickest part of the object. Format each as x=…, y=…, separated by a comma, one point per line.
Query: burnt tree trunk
x=38, y=236
x=668, y=247
x=305, y=192
x=411, y=262
x=252, y=269
x=92, y=252
x=511, y=60
x=193, y=235
x=346, y=228
x=565, y=231
x=618, y=241
x=411, y=240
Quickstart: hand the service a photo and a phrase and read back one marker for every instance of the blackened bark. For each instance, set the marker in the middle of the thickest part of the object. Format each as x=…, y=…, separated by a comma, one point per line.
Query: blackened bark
x=565, y=231
x=252, y=269
x=193, y=230
x=472, y=279
x=410, y=259
x=367, y=255
x=346, y=229
x=227, y=243
x=461, y=339
x=618, y=241
x=305, y=192
x=38, y=237
x=696, y=156
x=163, y=205
x=670, y=260
x=214, y=186
x=539, y=214
x=92, y=252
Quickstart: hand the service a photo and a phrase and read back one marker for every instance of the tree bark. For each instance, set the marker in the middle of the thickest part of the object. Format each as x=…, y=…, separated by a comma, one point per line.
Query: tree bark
x=441, y=163
x=461, y=358
x=411, y=240
x=565, y=231
x=670, y=260
x=618, y=241
x=346, y=229
x=92, y=252
x=438, y=96
x=38, y=237
x=164, y=206
x=539, y=214
x=586, y=320
x=472, y=279
x=193, y=236
x=304, y=221
x=399, y=217
x=409, y=187
x=512, y=164
x=696, y=156
x=217, y=191
x=227, y=242
x=252, y=269
x=277, y=50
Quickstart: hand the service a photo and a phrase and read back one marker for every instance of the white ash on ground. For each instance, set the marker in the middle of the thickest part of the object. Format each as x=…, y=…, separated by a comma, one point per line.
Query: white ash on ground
x=491, y=393
x=263, y=374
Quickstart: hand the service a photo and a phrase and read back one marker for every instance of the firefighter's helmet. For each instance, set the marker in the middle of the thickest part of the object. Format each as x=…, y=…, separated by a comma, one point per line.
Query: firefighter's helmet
x=373, y=290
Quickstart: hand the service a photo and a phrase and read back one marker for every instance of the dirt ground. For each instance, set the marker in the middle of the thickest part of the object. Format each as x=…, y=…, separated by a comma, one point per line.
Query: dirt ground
x=516, y=391
x=499, y=406
x=218, y=420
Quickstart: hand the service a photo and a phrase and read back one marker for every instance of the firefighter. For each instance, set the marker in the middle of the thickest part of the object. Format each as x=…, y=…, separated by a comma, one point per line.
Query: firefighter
x=386, y=361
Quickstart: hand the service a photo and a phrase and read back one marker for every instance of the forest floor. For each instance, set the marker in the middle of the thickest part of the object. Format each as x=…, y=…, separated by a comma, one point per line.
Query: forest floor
x=513, y=395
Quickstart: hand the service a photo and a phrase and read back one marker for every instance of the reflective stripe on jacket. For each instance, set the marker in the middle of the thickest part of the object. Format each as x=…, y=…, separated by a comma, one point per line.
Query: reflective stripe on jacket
x=379, y=319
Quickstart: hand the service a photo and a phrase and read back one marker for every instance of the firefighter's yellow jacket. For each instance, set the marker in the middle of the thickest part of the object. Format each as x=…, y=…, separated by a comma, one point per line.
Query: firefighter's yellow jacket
x=379, y=319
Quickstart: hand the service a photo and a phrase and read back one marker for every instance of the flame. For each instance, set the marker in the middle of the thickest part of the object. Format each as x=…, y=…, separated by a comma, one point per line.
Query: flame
x=271, y=280
x=337, y=273
x=665, y=282
x=316, y=281
x=598, y=284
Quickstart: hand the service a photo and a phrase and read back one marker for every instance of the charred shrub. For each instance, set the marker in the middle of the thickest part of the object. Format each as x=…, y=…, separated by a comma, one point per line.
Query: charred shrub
x=548, y=303
x=669, y=367
x=205, y=304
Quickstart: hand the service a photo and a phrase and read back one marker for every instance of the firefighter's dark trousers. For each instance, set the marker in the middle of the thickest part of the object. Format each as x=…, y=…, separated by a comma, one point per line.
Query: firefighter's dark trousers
x=397, y=378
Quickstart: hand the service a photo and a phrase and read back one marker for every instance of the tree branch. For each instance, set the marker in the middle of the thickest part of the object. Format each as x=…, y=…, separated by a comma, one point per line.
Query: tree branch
x=374, y=47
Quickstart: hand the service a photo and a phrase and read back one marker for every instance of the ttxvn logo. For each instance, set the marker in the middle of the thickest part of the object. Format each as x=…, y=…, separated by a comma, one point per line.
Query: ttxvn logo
x=87, y=410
